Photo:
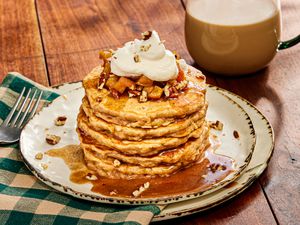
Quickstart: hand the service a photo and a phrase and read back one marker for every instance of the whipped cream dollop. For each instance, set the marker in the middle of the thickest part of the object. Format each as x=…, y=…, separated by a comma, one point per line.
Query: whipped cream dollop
x=147, y=57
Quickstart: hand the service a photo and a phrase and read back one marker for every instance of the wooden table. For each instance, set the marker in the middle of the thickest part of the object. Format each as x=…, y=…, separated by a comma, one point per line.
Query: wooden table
x=54, y=41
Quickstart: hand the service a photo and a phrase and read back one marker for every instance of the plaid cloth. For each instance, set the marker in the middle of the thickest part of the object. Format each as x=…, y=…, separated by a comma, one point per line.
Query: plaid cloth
x=26, y=200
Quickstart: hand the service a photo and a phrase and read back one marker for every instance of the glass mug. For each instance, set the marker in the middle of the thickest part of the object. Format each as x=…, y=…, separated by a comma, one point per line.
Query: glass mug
x=234, y=37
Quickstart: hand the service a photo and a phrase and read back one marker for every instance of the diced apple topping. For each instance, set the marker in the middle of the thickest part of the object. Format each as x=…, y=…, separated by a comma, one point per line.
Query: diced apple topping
x=122, y=84
x=111, y=81
x=148, y=89
x=105, y=54
x=144, y=81
x=156, y=93
x=141, y=87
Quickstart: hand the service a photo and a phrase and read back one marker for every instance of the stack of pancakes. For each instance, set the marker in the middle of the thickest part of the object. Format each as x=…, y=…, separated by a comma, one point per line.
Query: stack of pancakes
x=124, y=138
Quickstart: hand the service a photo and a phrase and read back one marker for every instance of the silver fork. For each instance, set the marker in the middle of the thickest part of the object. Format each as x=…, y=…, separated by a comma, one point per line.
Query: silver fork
x=11, y=127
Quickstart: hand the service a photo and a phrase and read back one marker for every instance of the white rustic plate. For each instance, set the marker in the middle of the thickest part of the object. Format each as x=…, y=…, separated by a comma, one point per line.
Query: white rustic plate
x=32, y=141
x=259, y=161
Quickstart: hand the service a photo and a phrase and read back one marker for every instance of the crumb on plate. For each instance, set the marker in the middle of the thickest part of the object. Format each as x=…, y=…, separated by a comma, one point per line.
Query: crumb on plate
x=60, y=121
x=141, y=189
x=217, y=125
x=39, y=156
x=44, y=166
x=236, y=134
x=90, y=176
x=52, y=139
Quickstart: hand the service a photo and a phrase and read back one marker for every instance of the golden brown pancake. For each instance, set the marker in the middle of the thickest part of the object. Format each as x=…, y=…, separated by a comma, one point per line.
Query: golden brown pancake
x=105, y=166
x=155, y=123
x=145, y=147
x=132, y=110
x=124, y=138
x=179, y=128
x=185, y=152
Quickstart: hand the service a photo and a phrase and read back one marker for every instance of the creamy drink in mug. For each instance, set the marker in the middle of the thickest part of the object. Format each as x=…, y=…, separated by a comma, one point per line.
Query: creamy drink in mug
x=234, y=37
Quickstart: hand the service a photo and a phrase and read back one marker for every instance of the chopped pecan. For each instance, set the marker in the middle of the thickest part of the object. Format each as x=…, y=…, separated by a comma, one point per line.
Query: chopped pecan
x=216, y=125
x=145, y=48
x=146, y=35
x=101, y=84
x=181, y=85
x=39, y=156
x=91, y=177
x=44, y=166
x=52, y=139
x=102, y=80
x=143, y=96
x=174, y=95
x=139, y=88
x=173, y=92
x=60, y=121
x=216, y=166
x=236, y=134
x=133, y=93
x=115, y=94
x=137, y=58
x=114, y=192
x=141, y=189
x=117, y=163
x=167, y=90
x=200, y=76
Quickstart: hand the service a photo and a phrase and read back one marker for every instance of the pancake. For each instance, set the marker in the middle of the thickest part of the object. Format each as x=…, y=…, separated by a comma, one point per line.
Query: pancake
x=132, y=110
x=124, y=134
x=105, y=166
x=155, y=123
x=184, y=153
x=180, y=128
x=144, y=147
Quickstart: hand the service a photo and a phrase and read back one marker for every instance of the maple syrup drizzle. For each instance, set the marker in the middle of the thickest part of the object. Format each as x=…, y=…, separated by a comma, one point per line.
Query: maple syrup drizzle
x=197, y=178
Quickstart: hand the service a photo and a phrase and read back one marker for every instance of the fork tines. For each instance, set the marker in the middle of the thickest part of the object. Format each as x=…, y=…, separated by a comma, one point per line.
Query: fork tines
x=19, y=119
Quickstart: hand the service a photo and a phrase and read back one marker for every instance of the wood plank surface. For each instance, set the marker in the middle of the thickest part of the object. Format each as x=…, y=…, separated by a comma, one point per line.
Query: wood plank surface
x=74, y=30
x=20, y=41
x=247, y=208
x=70, y=27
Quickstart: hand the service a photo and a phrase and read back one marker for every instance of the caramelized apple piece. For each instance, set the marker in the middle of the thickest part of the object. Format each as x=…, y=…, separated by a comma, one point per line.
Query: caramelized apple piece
x=105, y=54
x=180, y=76
x=122, y=84
x=156, y=93
x=148, y=89
x=144, y=81
x=106, y=69
x=111, y=81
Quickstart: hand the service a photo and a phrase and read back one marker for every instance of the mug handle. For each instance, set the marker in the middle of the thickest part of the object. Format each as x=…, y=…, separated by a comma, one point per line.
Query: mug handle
x=287, y=44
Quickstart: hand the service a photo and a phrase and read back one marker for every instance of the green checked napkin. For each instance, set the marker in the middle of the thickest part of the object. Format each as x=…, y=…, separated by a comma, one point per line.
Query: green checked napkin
x=26, y=200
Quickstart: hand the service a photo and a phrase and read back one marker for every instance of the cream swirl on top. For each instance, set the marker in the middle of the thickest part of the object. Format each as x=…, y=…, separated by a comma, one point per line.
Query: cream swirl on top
x=147, y=57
